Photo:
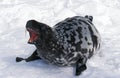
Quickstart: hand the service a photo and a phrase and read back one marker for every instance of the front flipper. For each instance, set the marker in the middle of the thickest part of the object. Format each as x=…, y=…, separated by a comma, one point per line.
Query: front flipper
x=80, y=66
x=33, y=57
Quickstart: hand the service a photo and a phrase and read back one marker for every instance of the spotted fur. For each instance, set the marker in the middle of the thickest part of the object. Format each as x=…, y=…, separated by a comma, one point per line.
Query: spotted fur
x=68, y=41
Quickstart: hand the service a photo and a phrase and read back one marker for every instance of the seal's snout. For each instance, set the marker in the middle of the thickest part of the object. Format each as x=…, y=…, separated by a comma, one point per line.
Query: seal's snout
x=33, y=27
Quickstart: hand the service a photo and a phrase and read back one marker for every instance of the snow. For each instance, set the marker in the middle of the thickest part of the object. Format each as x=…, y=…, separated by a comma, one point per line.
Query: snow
x=15, y=13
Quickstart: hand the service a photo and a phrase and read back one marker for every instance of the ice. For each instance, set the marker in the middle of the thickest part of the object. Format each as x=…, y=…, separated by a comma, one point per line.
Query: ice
x=15, y=13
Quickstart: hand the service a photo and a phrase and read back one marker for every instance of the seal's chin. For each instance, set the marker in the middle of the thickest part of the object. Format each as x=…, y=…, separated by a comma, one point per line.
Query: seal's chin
x=33, y=36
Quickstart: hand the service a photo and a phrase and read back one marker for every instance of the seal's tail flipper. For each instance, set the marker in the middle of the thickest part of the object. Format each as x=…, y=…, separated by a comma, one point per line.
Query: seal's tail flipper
x=19, y=59
x=89, y=17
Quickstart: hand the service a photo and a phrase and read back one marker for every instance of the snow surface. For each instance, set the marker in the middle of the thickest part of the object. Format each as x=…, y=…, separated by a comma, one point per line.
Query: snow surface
x=13, y=41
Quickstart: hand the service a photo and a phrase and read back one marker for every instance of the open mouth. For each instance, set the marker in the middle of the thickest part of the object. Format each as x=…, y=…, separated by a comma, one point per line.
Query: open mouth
x=33, y=36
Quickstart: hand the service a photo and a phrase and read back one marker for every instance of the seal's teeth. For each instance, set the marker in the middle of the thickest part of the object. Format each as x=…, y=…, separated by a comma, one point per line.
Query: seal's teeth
x=29, y=40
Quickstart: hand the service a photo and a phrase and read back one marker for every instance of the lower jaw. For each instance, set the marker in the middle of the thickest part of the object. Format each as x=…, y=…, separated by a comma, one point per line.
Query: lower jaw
x=30, y=42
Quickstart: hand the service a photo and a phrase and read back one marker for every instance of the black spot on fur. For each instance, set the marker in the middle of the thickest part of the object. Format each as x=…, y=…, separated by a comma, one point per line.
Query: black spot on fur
x=70, y=55
x=84, y=27
x=72, y=50
x=79, y=22
x=72, y=39
x=91, y=31
x=78, y=46
x=84, y=50
x=95, y=42
x=69, y=20
x=91, y=53
x=74, y=23
x=79, y=31
x=89, y=43
x=66, y=35
x=86, y=38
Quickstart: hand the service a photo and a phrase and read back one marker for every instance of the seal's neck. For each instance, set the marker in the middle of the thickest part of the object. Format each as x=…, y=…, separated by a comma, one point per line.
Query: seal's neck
x=47, y=40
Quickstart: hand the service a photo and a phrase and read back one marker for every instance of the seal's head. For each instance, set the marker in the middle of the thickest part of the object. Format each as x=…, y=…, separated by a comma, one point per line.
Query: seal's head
x=37, y=31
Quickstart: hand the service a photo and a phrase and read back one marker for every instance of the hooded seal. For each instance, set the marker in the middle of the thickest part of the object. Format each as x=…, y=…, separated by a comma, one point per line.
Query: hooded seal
x=70, y=42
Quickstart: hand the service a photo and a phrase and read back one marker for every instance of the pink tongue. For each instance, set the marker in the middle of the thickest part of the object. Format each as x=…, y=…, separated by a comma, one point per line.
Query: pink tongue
x=33, y=37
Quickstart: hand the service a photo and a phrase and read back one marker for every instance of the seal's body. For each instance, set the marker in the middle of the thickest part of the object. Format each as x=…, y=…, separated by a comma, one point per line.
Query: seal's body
x=71, y=41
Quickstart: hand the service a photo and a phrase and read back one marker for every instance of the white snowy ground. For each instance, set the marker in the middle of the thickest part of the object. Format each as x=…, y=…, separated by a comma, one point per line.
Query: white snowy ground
x=13, y=41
